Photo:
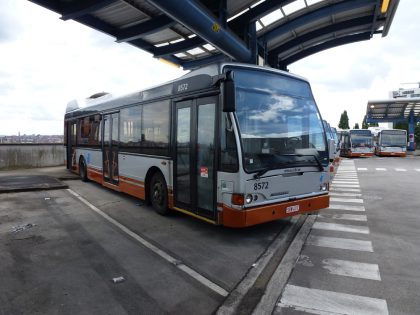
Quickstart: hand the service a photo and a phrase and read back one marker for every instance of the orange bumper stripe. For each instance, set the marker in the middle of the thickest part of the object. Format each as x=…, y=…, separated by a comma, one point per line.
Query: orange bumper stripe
x=242, y=218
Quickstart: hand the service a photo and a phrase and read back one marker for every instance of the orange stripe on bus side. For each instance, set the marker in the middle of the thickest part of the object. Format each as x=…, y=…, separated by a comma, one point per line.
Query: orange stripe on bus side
x=94, y=175
x=242, y=218
x=392, y=154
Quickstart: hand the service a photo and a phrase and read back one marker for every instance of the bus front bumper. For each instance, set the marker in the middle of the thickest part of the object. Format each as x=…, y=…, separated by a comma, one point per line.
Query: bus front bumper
x=252, y=216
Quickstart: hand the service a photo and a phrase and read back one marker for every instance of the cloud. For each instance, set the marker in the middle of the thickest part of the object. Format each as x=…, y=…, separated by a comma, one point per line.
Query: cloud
x=346, y=77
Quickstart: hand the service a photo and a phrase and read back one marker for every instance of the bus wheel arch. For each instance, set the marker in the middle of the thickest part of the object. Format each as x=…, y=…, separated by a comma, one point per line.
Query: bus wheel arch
x=83, y=169
x=156, y=190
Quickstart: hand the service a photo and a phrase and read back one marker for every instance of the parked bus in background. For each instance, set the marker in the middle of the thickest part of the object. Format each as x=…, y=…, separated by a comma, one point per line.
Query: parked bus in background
x=330, y=136
x=357, y=143
x=391, y=142
x=230, y=144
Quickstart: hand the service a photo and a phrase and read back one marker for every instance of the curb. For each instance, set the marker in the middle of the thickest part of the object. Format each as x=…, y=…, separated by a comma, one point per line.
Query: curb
x=280, y=277
x=248, y=292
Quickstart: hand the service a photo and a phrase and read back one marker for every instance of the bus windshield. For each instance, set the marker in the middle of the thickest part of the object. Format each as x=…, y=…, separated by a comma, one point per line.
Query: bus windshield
x=393, y=138
x=279, y=122
x=359, y=139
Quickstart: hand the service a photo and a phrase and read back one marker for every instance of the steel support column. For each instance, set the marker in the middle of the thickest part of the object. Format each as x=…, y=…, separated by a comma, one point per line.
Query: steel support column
x=411, y=127
x=195, y=17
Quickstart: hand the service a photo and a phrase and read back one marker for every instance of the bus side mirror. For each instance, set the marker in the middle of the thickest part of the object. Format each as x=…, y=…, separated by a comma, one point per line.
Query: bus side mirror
x=331, y=149
x=228, y=93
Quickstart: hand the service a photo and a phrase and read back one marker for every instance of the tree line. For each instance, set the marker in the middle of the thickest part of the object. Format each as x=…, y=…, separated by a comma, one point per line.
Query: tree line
x=344, y=122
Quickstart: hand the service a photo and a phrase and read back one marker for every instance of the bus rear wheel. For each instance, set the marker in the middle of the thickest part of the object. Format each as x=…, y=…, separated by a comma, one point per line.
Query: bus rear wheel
x=159, y=194
x=82, y=170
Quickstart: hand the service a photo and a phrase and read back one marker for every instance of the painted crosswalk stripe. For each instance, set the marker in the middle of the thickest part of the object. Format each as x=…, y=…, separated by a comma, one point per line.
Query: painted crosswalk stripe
x=346, y=180
x=343, y=194
x=346, y=207
x=350, y=176
x=335, y=182
x=362, y=169
x=401, y=170
x=346, y=185
x=380, y=169
x=344, y=189
x=352, y=269
x=344, y=216
x=341, y=227
x=417, y=169
x=340, y=243
x=349, y=200
x=315, y=301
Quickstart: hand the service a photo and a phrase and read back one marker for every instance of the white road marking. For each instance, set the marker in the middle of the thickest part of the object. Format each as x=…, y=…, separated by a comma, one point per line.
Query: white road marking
x=340, y=243
x=344, y=216
x=380, y=169
x=345, y=181
x=350, y=200
x=343, y=194
x=352, y=269
x=362, y=169
x=344, y=189
x=346, y=207
x=316, y=301
x=417, y=169
x=208, y=283
x=401, y=170
x=347, y=185
x=341, y=227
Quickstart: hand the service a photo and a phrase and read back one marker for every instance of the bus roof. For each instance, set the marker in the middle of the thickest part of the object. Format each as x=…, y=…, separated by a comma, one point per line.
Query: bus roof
x=360, y=131
x=201, y=78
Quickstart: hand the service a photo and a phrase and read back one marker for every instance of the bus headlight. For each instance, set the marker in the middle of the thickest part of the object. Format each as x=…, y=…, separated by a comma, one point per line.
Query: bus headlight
x=248, y=198
x=323, y=187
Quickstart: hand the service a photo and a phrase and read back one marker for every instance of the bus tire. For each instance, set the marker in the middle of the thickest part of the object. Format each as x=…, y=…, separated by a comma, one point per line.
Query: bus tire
x=158, y=194
x=83, y=170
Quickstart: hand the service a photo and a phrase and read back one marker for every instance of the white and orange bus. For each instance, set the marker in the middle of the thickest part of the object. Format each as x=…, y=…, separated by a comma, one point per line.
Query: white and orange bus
x=391, y=142
x=230, y=144
x=357, y=143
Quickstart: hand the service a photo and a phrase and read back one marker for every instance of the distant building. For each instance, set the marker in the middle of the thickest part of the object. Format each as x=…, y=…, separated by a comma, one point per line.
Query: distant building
x=31, y=139
x=405, y=93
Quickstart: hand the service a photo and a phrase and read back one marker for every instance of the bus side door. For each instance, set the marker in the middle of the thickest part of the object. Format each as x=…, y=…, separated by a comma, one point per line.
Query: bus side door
x=195, y=166
x=110, y=148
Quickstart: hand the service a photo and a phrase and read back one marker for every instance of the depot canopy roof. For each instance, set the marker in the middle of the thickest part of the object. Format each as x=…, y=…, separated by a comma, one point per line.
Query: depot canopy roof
x=190, y=33
x=393, y=110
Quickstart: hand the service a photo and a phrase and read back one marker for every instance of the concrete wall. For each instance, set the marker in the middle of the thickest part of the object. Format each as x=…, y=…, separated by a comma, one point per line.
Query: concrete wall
x=14, y=156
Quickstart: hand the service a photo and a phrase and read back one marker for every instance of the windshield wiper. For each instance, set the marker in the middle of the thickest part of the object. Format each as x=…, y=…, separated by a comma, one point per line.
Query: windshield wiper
x=261, y=172
x=321, y=168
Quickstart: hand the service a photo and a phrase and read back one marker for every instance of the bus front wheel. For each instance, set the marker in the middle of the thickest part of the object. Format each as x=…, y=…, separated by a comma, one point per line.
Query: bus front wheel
x=159, y=194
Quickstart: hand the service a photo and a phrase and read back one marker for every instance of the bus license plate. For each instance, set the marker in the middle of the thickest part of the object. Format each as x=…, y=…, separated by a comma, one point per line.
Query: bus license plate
x=292, y=209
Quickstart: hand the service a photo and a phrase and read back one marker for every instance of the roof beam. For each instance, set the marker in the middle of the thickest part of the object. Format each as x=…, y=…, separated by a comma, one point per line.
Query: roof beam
x=237, y=24
x=326, y=45
x=186, y=65
x=316, y=15
x=255, y=13
x=273, y=53
x=179, y=47
x=196, y=18
x=83, y=7
x=148, y=27
x=106, y=28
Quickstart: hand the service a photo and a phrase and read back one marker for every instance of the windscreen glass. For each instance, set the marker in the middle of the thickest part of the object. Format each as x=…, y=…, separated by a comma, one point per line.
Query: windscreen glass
x=361, y=138
x=393, y=138
x=279, y=122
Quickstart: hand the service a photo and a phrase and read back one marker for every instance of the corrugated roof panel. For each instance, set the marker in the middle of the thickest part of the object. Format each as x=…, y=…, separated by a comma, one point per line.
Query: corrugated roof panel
x=120, y=15
x=165, y=35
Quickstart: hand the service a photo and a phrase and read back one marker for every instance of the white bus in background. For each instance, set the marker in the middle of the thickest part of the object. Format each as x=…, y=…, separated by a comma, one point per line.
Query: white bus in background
x=230, y=144
x=391, y=142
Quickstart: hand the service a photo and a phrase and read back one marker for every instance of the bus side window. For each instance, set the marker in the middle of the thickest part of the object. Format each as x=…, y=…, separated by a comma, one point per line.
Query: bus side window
x=229, y=153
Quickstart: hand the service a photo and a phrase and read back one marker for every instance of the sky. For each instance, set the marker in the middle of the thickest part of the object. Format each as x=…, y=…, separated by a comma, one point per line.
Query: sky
x=46, y=62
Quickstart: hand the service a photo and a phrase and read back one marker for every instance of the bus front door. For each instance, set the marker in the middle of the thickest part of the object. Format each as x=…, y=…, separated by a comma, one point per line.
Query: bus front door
x=195, y=169
x=110, y=148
